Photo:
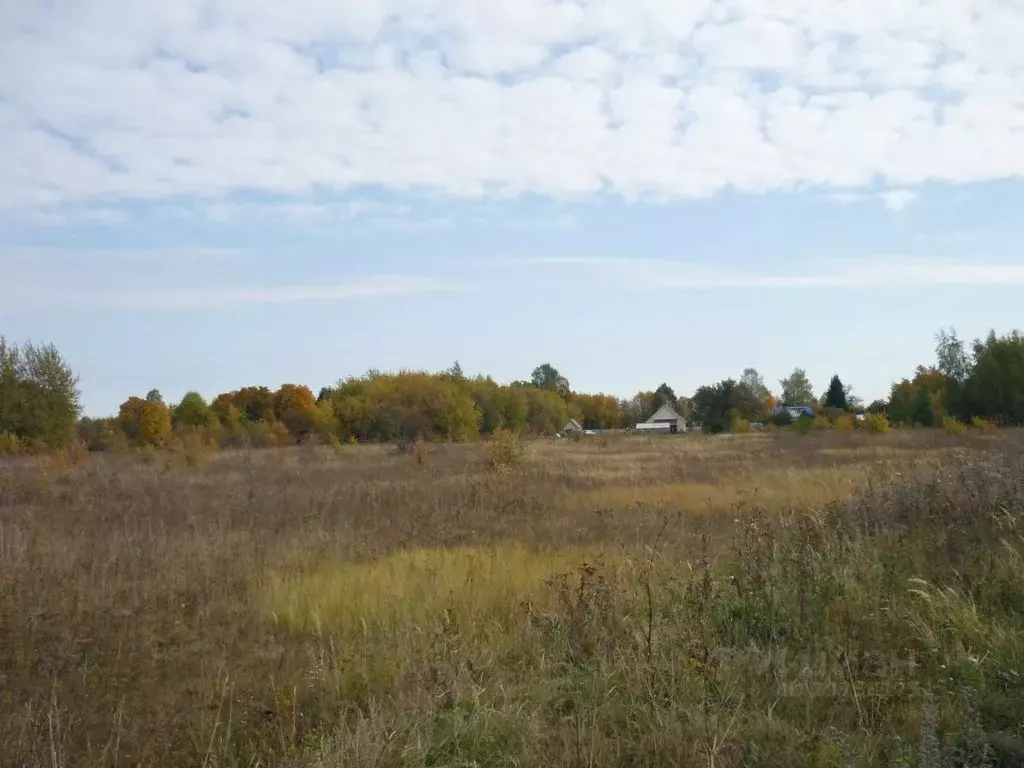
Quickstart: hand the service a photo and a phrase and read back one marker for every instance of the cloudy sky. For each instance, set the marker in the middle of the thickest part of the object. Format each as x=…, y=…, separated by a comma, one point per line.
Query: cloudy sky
x=214, y=193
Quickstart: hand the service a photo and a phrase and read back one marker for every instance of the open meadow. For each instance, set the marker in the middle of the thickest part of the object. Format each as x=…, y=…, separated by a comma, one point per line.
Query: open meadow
x=829, y=600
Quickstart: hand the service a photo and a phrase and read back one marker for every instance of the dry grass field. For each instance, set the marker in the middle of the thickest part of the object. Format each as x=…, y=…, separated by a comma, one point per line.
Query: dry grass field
x=833, y=600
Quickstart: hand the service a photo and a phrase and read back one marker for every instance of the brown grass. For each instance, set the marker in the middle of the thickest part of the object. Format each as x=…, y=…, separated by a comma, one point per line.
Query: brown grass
x=358, y=606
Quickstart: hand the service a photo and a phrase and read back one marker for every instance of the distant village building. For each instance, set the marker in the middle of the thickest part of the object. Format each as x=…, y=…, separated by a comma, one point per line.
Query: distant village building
x=572, y=426
x=794, y=411
x=665, y=419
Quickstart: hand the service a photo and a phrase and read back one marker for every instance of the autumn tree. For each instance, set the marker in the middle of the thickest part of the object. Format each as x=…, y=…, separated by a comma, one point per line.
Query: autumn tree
x=514, y=407
x=255, y=404
x=129, y=417
x=489, y=400
x=154, y=423
x=596, y=411
x=295, y=407
x=546, y=411
x=637, y=409
x=796, y=388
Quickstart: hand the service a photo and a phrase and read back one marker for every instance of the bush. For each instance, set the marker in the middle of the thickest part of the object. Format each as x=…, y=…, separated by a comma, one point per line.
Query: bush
x=782, y=419
x=739, y=425
x=843, y=423
x=194, y=445
x=987, y=427
x=803, y=425
x=820, y=422
x=953, y=427
x=833, y=414
x=876, y=423
x=505, y=451
x=10, y=445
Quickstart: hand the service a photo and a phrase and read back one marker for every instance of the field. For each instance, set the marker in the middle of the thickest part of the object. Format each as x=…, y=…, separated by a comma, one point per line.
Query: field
x=832, y=600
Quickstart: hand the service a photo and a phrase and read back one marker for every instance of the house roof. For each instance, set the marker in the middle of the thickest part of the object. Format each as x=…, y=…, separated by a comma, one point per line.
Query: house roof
x=665, y=412
x=572, y=424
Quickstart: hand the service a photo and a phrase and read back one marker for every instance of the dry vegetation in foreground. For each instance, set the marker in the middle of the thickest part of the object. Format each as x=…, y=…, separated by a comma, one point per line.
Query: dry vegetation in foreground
x=831, y=600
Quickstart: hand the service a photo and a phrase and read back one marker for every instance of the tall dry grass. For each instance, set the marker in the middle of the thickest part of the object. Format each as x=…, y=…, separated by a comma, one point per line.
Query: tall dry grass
x=838, y=600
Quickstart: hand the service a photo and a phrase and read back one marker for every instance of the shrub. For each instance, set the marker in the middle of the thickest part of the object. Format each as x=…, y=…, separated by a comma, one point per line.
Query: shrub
x=803, y=425
x=739, y=425
x=820, y=422
x=10, y=445
x=987, y=427
x=194, y=445
x=953, y=427
x=843, y=423
x=74, y=454
x=876, y=423
x=782, y=419
x=505, y=451
x=833, y=414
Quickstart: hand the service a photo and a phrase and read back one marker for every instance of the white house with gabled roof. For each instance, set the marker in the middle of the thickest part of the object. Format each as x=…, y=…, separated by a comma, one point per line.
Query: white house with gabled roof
x=665, y=419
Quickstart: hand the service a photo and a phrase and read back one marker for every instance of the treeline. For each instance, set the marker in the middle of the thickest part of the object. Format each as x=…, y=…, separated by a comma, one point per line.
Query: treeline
x=985, y=383
x=376, y=407
x=39, y=403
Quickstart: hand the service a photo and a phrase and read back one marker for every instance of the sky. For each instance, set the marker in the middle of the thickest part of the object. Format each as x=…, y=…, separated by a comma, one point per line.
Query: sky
x=209, y=194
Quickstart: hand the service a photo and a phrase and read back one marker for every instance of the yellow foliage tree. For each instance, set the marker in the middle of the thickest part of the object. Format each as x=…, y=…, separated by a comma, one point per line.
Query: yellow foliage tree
x=295, y=406
x=154, y=423
x=129, y=417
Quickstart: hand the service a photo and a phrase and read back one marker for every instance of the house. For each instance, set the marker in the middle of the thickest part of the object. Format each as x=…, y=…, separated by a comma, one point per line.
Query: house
x=665, y=419
x=794, y=411
x=572, y=426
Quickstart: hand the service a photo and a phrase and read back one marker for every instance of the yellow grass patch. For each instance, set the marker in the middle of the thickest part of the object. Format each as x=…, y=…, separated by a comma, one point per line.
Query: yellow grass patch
x=479, y=591
x=775, y=491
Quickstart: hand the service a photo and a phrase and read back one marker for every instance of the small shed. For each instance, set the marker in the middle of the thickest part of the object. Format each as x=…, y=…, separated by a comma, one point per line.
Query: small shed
x=572, y=426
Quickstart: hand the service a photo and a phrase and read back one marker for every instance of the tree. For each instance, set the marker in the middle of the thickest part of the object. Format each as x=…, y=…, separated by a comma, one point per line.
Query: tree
x=255, y=403
x=995, y=387
x=714, y=405
x=754, y=381
x=835, y=396
x=546, y=411
x=637, y=409
x=455, y=372
x=154, y=396
x=129, y=417
x=796, y=388
x=193, y=411
x=664, y=395
x=39, y=397
x=154, y=423
x=295, y=406
x=546, y=376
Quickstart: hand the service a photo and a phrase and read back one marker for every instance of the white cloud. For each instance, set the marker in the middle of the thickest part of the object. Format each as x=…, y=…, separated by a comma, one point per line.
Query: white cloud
x=876, y=273
x=898, y=199
x=103, y=100
x=369, y=286
x=362, y=287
